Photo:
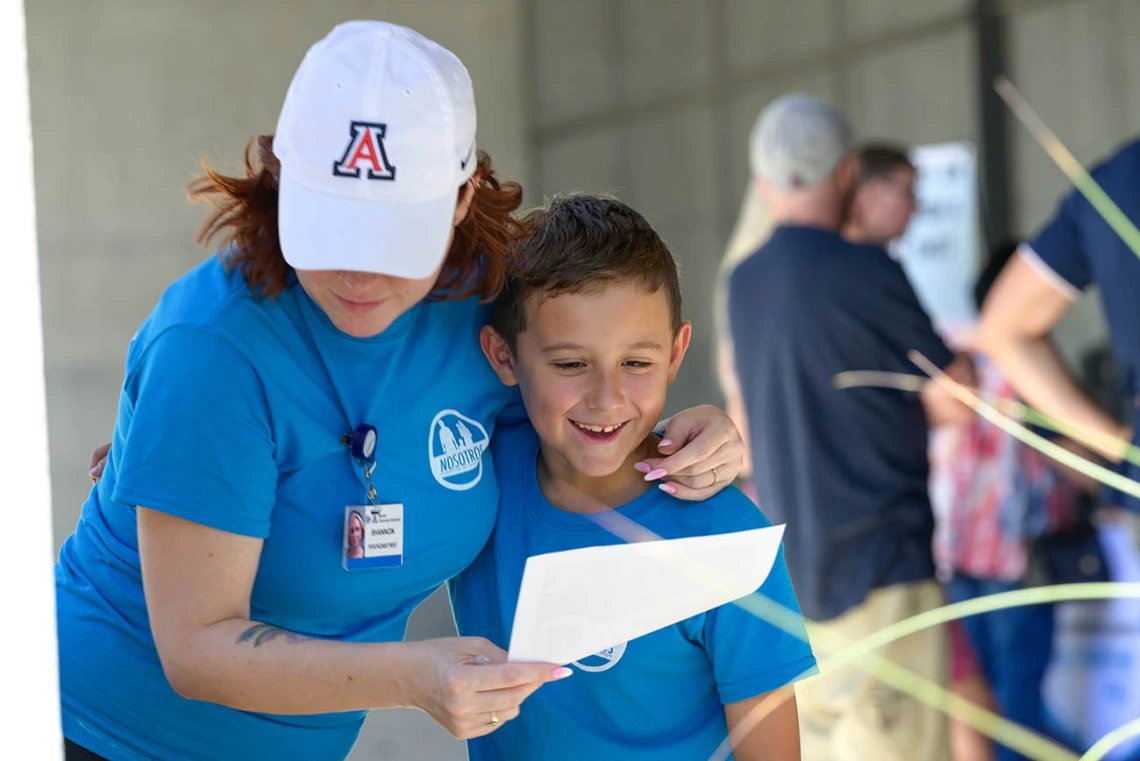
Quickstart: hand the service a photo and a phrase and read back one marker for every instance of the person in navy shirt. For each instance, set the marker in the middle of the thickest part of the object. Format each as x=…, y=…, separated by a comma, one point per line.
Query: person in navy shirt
x=1075, y=250
x=846, y=470
x=589, y=326
x=326, y=361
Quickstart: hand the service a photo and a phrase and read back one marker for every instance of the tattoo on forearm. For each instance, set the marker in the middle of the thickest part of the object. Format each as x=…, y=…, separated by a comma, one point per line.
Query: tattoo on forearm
x=259, y=634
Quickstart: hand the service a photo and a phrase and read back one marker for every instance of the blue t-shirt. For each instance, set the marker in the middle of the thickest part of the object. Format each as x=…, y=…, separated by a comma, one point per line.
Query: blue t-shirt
x=657, y=697
x=231, y=415
x=846, y=470
x=1080, y=247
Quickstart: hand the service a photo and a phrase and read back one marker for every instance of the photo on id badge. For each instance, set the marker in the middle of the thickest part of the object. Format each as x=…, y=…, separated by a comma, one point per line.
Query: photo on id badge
x=373, y=537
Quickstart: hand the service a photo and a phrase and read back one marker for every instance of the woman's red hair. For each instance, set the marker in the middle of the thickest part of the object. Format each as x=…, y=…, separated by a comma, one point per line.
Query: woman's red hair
x=244, y=218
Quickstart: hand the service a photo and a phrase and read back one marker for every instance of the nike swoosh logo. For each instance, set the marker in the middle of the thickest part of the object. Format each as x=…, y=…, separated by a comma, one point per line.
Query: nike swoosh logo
x=463, y=162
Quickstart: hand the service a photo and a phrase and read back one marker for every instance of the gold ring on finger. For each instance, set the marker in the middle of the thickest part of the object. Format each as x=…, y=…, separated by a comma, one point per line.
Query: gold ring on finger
x=494, y=722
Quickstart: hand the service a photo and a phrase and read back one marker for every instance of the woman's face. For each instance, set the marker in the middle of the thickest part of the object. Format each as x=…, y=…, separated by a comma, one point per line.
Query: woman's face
x=355, y=531
x=364, y=304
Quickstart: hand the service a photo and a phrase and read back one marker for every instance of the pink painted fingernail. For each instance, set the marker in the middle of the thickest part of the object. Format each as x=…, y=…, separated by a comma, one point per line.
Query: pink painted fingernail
x=664, y=443
x=667, y=488
x=653, y=475
x=642, y=467
x=560, y=673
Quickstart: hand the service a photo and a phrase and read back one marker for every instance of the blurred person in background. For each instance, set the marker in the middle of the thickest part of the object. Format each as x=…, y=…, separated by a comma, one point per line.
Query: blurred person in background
x=1076, y=249
x=1001, y=502
x=878, y=211
x=753, y=226
x=969, y=683
x=846, y=470
x=882, y=202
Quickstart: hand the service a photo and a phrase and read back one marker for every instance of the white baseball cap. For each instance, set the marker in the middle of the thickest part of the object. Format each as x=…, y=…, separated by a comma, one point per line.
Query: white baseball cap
x=376, y=136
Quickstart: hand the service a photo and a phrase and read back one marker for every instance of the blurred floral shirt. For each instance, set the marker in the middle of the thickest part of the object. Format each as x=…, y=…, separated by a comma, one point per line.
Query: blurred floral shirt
x=991, y=493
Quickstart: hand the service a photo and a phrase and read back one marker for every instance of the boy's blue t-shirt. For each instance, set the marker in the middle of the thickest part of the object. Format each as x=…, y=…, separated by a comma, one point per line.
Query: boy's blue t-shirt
x=658, y=697
x=1082, y=249
x=231, y=415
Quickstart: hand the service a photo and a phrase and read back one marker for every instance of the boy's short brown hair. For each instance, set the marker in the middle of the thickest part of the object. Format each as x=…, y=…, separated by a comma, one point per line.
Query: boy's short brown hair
x=581, y=242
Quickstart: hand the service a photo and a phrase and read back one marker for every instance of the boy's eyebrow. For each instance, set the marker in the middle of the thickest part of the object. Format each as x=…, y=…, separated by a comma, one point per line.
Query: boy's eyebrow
x=567, y=346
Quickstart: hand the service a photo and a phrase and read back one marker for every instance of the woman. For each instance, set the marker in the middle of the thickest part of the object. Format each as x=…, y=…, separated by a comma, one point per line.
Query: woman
x=206, y=609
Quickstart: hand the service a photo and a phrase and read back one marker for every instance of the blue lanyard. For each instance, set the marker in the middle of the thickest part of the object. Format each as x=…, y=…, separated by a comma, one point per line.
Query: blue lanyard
x=362, y=441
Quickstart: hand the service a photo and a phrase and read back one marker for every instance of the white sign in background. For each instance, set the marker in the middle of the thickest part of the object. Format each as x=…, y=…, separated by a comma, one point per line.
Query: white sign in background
x=940, y=250
x=30, y=674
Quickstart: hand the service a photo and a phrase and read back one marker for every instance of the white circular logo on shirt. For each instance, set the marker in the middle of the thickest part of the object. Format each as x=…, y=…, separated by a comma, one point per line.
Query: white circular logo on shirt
x=455, y=450
x=603, y=660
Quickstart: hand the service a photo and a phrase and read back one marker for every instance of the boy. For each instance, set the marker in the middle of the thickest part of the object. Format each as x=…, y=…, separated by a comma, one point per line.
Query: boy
x=882, y=201
x=589, y=326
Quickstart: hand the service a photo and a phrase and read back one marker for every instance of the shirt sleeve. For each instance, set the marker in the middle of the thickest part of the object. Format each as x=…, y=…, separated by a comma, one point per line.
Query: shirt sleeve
x=1060, y=247
x=758, y=643
x=198, y=444
x=887, y=303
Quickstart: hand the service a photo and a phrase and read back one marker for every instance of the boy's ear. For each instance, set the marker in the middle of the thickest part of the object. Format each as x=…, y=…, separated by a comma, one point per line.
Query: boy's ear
x=847, y=173
x=497, y=352
x=680, y=346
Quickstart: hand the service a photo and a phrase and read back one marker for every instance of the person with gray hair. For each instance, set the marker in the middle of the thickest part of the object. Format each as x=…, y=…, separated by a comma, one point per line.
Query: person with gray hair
x=845, y=470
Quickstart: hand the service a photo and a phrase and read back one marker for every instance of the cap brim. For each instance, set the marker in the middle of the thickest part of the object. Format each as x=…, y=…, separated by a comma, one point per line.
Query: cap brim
x=319, y=231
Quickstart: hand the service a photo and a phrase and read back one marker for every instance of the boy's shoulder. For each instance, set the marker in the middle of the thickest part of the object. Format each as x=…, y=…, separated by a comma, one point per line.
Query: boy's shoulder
x=512, y=441
x=514, y=449
x=726, y=511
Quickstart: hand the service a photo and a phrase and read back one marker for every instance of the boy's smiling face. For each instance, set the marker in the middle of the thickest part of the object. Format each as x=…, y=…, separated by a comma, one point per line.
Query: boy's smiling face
x=593, y=368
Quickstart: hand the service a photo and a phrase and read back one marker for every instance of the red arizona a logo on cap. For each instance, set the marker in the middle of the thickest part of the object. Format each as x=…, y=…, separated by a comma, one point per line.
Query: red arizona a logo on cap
x=365, y=149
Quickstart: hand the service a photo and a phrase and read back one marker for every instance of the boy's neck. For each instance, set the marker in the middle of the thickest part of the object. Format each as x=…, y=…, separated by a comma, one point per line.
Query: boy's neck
x=855, y=233
x=575, y=492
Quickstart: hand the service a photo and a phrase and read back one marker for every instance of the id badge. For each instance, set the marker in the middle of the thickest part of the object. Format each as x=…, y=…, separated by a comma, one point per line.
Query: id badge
x=373, y=537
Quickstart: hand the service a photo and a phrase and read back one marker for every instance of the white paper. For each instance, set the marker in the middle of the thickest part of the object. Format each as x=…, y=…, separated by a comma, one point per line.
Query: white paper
x=576, y=603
